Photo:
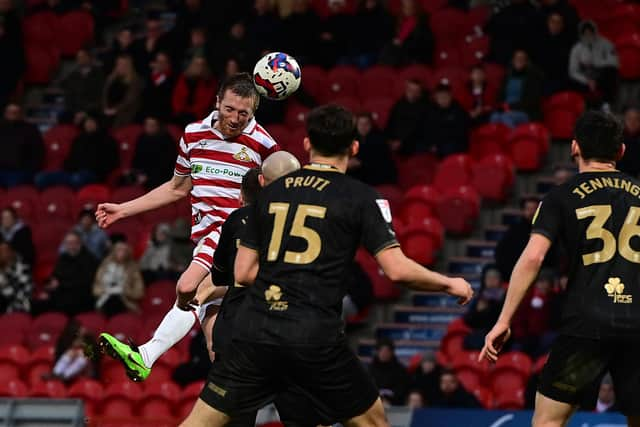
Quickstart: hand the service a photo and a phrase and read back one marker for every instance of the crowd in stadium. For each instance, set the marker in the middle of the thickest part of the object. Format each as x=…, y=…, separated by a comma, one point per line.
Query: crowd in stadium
x=161, y=71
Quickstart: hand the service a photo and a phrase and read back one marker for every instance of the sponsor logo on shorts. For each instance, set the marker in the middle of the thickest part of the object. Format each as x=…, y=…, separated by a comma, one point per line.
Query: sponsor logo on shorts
x=615, y=290
x=273, y=295
x=217, y=389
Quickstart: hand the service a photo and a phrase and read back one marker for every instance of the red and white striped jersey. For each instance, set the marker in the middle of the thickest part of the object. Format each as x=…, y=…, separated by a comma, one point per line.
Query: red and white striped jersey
x=216, y=167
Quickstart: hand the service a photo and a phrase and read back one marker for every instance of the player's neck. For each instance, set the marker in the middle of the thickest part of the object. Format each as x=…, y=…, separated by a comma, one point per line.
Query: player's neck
x=596, y=166
x=339, y=163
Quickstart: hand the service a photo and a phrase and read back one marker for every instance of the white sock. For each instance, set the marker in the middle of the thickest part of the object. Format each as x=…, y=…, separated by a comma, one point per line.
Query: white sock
x=174, y=326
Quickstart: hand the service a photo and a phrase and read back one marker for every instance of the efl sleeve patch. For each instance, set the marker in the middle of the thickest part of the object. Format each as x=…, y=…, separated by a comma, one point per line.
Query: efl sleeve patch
x=385, y=209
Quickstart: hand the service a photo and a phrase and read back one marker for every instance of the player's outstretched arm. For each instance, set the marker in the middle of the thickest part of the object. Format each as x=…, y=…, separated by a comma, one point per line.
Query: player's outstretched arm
x=404, y=270
x=523, y=275
x=171, y=191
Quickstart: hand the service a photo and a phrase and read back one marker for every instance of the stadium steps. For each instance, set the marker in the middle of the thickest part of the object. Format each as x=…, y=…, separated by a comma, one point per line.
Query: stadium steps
x=411, y=332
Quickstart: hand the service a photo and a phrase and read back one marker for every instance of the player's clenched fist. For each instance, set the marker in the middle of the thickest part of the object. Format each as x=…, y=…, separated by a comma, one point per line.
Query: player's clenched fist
x=460, y=288
x=108, y=213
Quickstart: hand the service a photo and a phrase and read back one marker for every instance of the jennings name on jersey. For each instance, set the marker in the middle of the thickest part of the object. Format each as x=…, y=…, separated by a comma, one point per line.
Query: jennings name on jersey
x=596, y=216
x=306, y=227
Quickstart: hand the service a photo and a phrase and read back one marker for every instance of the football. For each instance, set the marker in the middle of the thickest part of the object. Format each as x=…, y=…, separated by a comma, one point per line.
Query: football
x=276, y=76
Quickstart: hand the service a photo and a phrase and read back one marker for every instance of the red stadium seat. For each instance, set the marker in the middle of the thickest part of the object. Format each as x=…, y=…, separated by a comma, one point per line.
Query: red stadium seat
x=159, y=297
x=421, y=240
x=418, y=72
x=315, y=82
x=393, y=195
x=125, y=325
x=167, y=213
x=478, y=16
x=529, y=143
x=493, y=177
x=468, y=361
x=126, y=389
x=75, y=30
x=127, y=138
x=561, y=111
x=45, y=329
x=343, y=81
x=456, y=77
x=431, y=6
x=495, y=74
x=124, y=194
x=156, y=407
x=506, y=380
x=161, y=373
x=171, y=358
x=57, y=142
x=41, y=61
x=93, y=321
x=296, y=115
x=383, y=288
x=57, y=202
x=24, y=199
x=47, y=237
x=44, y=354
x=167, y=390
x=453, y=171
x=459, y=208
x=509, y=399
x=19, y=322
x=418, y=169
x=295, y=145
x=483, y=395
x=37, y=372
x=488, y=139
x=448, y=56
x=13, y=388
x=473, y=50
x=628, y=48
x=351, y=103
x=420, y=202
x=50, y=389
x=380, y=108
x=91, y=195
x=449, y=25
x=539, y=363
x=623, y=20
x=278, y=132
x=117, y=407
x=514, y=361
x=41, y=28
x=90, y=391
x=378, y=80
x=9, y=371
x=452, y=342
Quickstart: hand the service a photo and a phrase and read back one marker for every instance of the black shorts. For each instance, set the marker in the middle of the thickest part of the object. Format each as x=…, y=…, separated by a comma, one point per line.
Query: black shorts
x=576, y=366
x=330, y=382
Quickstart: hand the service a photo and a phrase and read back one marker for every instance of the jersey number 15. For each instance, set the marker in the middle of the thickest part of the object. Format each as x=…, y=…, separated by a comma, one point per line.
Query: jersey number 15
x=298, y=229
x=596, y=230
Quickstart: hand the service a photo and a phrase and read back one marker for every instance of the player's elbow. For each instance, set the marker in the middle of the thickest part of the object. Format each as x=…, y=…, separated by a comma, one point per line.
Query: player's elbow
x=393, y=263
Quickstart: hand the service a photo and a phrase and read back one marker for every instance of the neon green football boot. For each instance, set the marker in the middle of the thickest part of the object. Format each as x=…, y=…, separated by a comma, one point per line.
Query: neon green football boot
x=128, y=355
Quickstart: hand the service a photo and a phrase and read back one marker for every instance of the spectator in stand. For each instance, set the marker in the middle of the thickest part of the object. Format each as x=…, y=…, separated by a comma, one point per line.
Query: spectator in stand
x=533, y=328
x=515, y=239
x=190, y=14
x=263, y=26
x=122, y=93
x=11, y=46
x=513, y=27
x=630, y=163
x=405, y=127
x=446, y=124
x=195, y=92
x=154, y=156
x=155, y=263
x=553, y=54
x=71, y=360
x=371, y=165
x=413, y=41
x=181, y=248
x=305, y=24
x=197, y=46
x=452, y=395
x=335, y=31
x=83, y=85
x=118, y=286
x=606, y=396
x=198, y=364
x=17, y=234
x=93, y=156
x=479, y=98
x=146, y=48
x=593, y=65
x=415, y=400
x=122, y=46
x=93, y=237
x=22, y=148
x=521, y=92
x=236, y=44
x=426, y=378
x=485, y=309
x=158, y=90
x=15, y=281
x=562, y=174
x=69, y=288
x=389, y=374
x=568, y=13
x=373, y=28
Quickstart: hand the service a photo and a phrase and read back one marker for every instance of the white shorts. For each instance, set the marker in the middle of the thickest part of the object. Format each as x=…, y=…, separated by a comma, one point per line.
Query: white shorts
x=204, y=250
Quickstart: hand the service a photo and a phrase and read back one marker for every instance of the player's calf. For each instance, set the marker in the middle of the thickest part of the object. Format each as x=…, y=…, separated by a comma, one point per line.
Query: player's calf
x=551, y=413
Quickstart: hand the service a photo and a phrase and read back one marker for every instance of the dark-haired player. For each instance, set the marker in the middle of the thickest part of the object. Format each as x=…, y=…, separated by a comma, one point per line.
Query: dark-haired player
x=596, y=215
x=299, y=243
x=214, y=155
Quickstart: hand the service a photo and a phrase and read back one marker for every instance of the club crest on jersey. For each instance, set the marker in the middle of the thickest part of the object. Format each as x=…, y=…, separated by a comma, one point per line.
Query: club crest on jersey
x=385, y=209
x=615, y=289
x=242, y=155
